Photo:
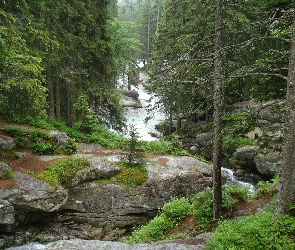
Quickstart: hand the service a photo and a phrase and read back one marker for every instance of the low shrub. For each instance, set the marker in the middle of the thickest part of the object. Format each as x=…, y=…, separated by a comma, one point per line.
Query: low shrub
x=202, y=207
x=260, y=231
x=178, y=208
x=267, y=187
x=39, y=141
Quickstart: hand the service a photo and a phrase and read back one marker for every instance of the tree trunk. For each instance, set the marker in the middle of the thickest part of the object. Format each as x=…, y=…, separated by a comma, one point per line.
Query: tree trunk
x=218, y=102
x=178, y=123
x=51, y=114
x=149, y=33
x=57, y=99
x=49, y=75
x=286, y=189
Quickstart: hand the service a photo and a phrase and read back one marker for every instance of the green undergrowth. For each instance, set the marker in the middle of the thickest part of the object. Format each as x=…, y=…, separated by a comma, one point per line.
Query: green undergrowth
x=39, y=141
x=108, y=139
x=235, y=129
x=260, y=231
x=63, y=171
x=131, y=175
x=201, y=208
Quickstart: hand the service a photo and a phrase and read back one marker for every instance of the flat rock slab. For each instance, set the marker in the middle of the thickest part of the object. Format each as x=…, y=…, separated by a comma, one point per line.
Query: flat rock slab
x=106, y=245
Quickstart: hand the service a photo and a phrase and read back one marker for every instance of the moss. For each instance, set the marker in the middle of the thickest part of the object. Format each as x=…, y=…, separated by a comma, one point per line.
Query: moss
x=131, y=175
x=9, y=174
x=62, y=172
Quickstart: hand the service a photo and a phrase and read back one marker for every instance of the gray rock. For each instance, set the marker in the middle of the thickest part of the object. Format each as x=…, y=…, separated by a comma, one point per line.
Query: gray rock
x=246, y=153
x=130, y=93
x=4, y=168
x=268, y=163
x=38, y=195
x=126, y=101
x=6, y=213
x=97, y=170
x=61, y=138
x=202, y=145
x=204, y=140
x=6, y=142
x=94, y=245
x=111, y=206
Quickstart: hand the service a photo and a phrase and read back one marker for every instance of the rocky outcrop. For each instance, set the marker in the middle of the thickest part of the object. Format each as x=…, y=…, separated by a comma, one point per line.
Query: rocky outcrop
x=203, y=145
x=107, y=245
x=113, y=207
x=270, y=112
x=129, y=98
x=95, y=207
x=268, y=163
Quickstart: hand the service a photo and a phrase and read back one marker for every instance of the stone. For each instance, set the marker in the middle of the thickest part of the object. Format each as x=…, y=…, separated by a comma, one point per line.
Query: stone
x=268, y=163
x=246, y=153
x=77, y=244
x=6, y=142
x=4, y=169
x=6, y=213
x=97, y=170
x=61, y=139
x=36, y=197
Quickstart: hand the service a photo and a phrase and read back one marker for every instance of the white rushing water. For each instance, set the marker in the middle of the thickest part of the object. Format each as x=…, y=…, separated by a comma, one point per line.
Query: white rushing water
x=232, y=180
x=137, y=116
x=29, y=246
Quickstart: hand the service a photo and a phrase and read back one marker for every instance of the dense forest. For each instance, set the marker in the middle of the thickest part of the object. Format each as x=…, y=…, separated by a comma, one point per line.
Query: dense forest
x=61, y=60
x=55, y=57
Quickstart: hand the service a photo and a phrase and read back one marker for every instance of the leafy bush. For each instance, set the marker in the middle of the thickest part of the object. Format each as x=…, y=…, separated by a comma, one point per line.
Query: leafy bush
x=62, y=172
x=202, y=207
x=267, y=187
x=260, y=231
x=230, y=142
x=39, y=141
x=156, y=229
x=177, y=209
x=42, y=148
x=161, y=147
x=9, y=174
x=235, y=127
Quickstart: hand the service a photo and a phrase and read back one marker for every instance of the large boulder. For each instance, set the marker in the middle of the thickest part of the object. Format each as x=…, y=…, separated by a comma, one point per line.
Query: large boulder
x=245, y=156
x=112, y=206
x=268, y=163
x=106, y=245
x=202, y=145
x=38, y=195
x=97, y=170
x=102, y=210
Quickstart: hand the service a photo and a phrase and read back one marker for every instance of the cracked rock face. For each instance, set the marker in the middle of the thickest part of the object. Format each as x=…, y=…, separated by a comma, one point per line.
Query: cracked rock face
x=38, y=195
x=6, y=213
x=91, y=210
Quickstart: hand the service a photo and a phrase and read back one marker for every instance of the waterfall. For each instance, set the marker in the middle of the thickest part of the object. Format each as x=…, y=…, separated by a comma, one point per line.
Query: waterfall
x=143, y=120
